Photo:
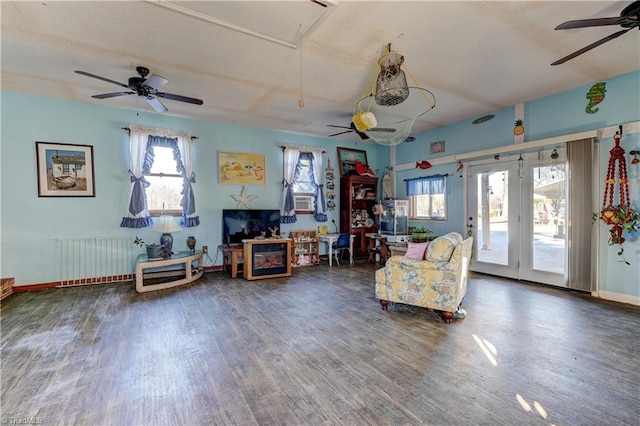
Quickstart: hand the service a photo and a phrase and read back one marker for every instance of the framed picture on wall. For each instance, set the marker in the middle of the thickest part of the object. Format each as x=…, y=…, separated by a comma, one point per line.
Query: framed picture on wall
x=239, y=167
x=347, y=158
x=436, y=147
x=65, y=170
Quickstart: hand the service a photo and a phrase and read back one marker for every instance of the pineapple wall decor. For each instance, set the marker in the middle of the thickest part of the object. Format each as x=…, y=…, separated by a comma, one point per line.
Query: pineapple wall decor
x=518, y=128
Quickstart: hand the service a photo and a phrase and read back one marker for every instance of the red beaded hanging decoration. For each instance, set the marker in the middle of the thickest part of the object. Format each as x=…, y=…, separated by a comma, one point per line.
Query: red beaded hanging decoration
x=609, y=212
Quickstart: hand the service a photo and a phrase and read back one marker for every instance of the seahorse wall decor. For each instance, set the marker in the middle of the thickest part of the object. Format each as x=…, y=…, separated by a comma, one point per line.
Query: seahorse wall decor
x=595, y=96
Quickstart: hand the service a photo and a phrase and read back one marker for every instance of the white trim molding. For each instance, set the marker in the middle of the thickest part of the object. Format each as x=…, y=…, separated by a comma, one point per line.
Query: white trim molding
x=605, y=132
x=618, y=297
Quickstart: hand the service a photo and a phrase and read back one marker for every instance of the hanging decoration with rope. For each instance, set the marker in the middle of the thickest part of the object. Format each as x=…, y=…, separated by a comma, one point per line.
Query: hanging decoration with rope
x=621, y=216
x=389, y=106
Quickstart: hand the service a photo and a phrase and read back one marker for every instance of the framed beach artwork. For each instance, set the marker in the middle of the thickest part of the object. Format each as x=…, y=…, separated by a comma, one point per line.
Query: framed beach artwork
x=347, y=158
x=65, y=170
x=241, y=168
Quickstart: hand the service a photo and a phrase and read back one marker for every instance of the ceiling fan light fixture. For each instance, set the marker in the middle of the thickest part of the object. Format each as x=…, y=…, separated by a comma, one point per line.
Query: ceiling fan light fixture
x=143, y=87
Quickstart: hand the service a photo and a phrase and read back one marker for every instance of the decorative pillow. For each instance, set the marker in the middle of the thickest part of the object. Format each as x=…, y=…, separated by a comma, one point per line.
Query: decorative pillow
x=441, y=249
x=416, y=250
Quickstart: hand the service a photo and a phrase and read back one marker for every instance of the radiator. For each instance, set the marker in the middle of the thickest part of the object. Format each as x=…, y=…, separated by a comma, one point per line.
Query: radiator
x=96, y=260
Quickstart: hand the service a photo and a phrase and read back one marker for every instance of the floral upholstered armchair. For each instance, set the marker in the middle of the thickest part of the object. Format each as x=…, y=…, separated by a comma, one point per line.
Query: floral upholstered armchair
x=437, y=282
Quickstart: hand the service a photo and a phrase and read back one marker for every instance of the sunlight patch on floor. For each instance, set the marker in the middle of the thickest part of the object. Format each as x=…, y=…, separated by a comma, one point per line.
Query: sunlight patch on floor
x=527, y=407
x=540, y=409
x=524, y=404
x=488, y=349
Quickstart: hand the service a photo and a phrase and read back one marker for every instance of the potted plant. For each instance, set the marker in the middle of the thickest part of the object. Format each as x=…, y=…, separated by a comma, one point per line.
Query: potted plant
x=154, y=251
x=621, y=218
x=420, y=233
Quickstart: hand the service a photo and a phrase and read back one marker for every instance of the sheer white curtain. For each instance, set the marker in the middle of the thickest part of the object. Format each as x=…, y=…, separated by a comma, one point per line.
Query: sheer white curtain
x=319, y=213
x=579, y=209
x=288, y=212
x=188, y=202
x=137, y=213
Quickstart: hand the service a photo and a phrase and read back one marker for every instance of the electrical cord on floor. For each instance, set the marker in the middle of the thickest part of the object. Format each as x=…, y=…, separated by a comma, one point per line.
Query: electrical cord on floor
x=213, y=261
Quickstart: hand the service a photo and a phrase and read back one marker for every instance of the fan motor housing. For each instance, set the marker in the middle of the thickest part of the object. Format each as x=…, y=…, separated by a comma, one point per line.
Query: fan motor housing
x=135, y=82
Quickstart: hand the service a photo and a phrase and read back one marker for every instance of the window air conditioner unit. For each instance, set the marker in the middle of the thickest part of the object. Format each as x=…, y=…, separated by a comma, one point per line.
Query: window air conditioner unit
x=303, y=203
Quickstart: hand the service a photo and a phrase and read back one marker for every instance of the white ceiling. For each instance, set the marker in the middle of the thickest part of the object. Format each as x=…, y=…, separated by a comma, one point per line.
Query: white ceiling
x=476, y=57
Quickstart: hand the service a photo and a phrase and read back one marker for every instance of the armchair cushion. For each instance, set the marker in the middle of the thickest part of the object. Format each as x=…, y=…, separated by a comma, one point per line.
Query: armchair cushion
x=441, y=249
x=416, y=250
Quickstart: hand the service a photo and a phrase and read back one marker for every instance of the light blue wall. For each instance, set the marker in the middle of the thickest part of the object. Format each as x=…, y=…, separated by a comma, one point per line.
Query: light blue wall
x=555, y=115
x=30, y=223
x=615, y=276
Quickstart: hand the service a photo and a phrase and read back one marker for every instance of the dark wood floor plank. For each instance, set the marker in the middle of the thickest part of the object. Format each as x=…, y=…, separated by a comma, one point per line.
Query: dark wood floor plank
x=317, y=349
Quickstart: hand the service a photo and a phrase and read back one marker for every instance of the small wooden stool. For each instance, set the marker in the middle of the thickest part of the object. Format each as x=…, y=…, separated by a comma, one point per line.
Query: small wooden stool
x=381, y=250
x=231, y=256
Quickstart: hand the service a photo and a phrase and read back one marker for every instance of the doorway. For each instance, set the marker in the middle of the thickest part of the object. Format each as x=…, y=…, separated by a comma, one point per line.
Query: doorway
x=517, y=208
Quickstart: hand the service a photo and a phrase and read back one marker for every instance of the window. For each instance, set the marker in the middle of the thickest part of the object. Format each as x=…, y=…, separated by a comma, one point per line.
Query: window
x=165, y=183
x=302, y=183
x=427, y=197
x=303, y=186
x=428, y=206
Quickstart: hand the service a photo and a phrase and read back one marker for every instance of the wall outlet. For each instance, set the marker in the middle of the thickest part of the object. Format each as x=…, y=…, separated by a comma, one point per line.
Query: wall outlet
x=205, y=249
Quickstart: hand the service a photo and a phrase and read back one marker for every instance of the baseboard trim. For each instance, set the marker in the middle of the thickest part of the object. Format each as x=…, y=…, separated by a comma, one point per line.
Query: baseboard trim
x=35, y=287
x=619, y=297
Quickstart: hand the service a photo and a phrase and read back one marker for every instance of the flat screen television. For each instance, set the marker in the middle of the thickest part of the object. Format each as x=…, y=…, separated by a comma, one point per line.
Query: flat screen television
x=239, y=224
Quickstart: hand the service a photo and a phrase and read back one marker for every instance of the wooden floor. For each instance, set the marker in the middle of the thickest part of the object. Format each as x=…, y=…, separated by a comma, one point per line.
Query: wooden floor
x=316, y=349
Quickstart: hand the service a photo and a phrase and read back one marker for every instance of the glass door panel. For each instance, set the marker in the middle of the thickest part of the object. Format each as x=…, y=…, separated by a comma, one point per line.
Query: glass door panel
x=493, y=217
x=544, y=250
x=493, y=207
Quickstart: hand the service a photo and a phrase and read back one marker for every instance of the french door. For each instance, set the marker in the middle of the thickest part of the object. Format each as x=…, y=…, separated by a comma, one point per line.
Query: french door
x=517, y=209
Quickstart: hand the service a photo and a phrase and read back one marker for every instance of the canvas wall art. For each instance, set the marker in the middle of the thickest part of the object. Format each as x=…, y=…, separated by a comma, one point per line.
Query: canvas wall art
x=241, y=168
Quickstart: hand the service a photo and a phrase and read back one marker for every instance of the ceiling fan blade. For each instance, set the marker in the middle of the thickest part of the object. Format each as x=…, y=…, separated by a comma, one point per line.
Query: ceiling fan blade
x=156, y=104
x=112, y=95
x=339, y=127
x=589, y=47
x=341, y=133
x=362, y=135
x=101, y=78
x=180, y=98
x=582, y=23
x=155, y=81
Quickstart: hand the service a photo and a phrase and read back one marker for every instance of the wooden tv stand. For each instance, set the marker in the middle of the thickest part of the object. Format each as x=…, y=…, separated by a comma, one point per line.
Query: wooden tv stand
x=277, y=254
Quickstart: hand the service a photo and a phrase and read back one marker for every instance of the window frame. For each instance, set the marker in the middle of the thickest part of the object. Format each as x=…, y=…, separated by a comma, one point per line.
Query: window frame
x=167, y=212
x=304, y=193
x=413, y=206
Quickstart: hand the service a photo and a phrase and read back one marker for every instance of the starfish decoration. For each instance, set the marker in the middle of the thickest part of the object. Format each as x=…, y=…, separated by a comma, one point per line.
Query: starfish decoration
x=244, y=200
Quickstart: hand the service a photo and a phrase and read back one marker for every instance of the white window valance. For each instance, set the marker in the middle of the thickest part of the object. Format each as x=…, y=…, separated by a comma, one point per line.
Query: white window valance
x=159, y=131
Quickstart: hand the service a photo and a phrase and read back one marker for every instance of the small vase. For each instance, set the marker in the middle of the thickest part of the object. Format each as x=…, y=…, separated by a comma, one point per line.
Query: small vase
x=166, y=240
x=191, y=243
